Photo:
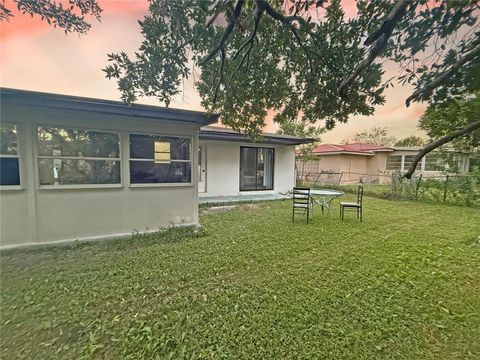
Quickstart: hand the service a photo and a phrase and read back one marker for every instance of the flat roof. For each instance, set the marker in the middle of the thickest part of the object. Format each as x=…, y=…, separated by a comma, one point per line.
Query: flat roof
x=226, y=134
x=77, y=103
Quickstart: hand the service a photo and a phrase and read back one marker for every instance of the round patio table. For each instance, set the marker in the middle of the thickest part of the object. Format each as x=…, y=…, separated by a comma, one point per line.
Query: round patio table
x=324, y=197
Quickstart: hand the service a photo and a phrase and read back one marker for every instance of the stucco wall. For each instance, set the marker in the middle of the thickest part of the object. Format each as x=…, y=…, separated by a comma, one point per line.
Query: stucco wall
x=223, y=168
x=34, y=214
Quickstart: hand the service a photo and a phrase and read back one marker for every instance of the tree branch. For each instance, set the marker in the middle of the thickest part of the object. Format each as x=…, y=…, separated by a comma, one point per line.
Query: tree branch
x=379, y=39
x=428, y=89
x=258, y=12
x=231, y=24
x=437, y=143
x=220, y=80
x=288, y=20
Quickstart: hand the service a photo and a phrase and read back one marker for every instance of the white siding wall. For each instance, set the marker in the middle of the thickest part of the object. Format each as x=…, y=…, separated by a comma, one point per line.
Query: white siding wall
x=35, y=215
x=223, y=168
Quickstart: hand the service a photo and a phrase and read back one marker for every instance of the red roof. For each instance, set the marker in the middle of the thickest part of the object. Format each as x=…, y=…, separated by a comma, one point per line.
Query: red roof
x=357, y=148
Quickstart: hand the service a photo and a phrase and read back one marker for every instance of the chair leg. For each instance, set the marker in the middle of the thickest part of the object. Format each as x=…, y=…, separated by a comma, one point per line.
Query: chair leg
x=361, y=214
x=343, y=212
x=358, y=213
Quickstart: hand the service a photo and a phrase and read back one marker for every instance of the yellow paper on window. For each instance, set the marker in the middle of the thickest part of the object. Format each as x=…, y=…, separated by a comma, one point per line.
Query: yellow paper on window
x=162, y=151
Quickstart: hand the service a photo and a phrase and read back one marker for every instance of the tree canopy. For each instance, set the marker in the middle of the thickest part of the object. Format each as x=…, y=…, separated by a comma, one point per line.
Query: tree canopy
x=303, y=59
x=70, y=18
x=441, y=119
x=411, y=141
x=376, y=136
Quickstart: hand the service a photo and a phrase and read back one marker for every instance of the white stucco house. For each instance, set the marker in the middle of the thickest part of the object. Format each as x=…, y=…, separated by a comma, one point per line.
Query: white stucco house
x=74, y=168
x=230, y=164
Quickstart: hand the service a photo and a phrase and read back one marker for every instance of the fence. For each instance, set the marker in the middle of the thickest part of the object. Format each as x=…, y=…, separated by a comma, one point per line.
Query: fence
x=452, y=189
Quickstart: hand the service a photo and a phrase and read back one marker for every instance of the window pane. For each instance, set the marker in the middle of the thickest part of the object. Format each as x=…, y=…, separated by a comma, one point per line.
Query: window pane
x=248, y=170
x=8, y=139
x=147, y=172
x=9, y=171
x=433, y=163
x=408, y=161
x=394, y=162
x=73, y=172
x=162, y=148
x=265, y=169
x=78, y=143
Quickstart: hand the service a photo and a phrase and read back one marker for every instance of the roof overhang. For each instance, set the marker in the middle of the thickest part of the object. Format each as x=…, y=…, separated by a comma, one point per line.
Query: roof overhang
x=344, y=153
x=230, y=135
x=75, y=103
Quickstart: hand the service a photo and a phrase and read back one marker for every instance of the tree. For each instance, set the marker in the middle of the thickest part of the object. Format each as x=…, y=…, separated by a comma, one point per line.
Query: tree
x=295, y=57
x=301, y=56
x=297, y=127
x=442, y=121
x=70, y=18
x=410, y=141
x=375, y=136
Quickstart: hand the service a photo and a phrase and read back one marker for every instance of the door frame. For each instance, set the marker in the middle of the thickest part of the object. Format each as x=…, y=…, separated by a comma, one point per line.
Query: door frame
x=202, y=166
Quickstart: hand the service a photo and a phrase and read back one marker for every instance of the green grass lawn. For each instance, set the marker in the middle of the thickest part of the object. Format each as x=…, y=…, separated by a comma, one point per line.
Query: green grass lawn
x=404, y=284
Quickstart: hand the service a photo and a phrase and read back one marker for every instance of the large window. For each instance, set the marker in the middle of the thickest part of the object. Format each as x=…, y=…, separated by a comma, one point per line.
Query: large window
x=160, y=159
x=256, y=168
x=394, y=162
x=433, y=162
x=68, y=156
x=9, y=163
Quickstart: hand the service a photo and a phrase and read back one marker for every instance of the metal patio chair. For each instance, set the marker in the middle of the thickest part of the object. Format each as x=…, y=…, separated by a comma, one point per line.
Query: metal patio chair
x=302, y=201
x=358, y=206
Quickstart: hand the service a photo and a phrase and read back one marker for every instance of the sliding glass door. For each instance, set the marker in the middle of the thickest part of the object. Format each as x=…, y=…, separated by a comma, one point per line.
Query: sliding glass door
x=256, y=168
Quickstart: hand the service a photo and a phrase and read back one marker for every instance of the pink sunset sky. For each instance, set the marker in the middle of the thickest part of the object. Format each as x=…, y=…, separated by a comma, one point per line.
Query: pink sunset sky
x=36, y=56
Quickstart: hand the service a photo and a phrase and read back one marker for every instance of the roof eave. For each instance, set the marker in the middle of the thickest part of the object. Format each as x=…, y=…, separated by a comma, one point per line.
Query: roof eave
x=99, y=106
x=235, y=137
x=343, y=153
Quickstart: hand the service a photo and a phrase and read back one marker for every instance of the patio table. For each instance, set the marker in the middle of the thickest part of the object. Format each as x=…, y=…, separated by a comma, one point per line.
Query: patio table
x=324, y=197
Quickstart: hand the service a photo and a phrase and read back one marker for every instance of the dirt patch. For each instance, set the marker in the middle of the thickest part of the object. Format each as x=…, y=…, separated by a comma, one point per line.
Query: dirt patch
x=218, y=209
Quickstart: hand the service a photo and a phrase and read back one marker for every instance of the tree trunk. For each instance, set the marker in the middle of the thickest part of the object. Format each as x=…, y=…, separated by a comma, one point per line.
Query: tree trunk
x=437, y=143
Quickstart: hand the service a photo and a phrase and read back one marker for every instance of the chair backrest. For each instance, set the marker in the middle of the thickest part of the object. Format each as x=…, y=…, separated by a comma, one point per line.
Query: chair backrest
x=301, y=195
x=360, y=195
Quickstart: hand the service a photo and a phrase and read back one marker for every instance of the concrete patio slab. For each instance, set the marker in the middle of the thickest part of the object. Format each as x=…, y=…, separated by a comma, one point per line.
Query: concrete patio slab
x=241, y=198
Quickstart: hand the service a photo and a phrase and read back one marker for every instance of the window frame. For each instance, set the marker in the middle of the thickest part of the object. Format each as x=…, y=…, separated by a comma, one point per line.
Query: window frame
x=256, y=162
x=147, y=185
x=17, y=156
x=37, y=157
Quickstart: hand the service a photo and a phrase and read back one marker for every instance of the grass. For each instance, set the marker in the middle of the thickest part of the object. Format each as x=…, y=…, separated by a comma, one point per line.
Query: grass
x=404, y=284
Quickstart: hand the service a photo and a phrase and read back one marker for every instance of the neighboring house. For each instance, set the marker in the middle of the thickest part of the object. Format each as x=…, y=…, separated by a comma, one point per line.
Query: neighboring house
x=81, y=168
x=231, y=164
x=371, y=163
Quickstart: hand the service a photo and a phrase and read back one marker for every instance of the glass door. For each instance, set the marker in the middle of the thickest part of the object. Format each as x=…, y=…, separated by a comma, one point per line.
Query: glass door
x=256, y=168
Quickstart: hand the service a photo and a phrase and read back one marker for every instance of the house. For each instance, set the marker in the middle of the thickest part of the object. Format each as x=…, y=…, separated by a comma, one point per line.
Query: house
x=230, y=164
x=75, y=168
x=81, y=168
x=353, y=163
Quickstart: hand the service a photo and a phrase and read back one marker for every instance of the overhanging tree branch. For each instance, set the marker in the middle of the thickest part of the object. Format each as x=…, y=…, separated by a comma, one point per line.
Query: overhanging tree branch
x=379, y=39
x=257, y=15
x=428, y=89
x=437, y=143
x=231, y=24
